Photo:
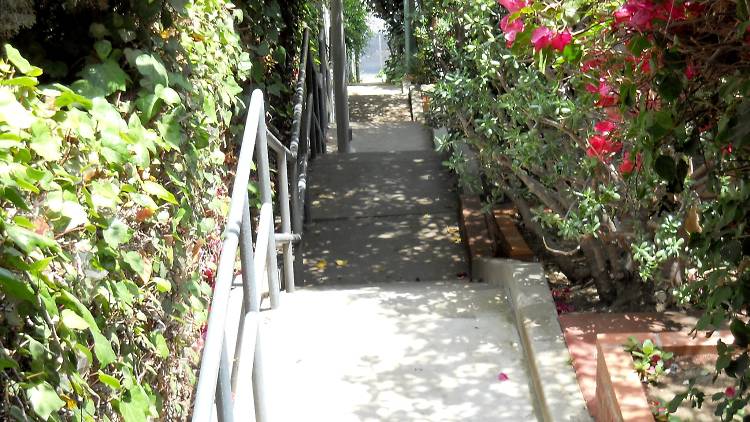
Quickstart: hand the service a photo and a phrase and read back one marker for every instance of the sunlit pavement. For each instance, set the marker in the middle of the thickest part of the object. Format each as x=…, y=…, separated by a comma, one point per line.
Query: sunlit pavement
x=386, y=327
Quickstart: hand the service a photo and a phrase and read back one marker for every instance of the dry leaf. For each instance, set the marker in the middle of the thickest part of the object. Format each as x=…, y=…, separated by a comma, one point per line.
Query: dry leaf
x=144, y=214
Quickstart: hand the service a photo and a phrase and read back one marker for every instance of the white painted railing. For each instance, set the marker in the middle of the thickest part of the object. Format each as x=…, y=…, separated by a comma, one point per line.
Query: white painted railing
x=227, y=387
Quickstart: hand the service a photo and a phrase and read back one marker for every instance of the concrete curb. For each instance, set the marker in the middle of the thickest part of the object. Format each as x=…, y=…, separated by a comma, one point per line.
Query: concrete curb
x=553, y=378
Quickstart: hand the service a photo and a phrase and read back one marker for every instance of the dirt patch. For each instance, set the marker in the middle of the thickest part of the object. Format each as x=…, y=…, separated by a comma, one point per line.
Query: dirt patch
x=577, y=294
x=675, y=381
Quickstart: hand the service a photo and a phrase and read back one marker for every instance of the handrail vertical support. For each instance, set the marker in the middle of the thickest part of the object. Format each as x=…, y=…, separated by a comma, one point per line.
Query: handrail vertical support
x=286, y=224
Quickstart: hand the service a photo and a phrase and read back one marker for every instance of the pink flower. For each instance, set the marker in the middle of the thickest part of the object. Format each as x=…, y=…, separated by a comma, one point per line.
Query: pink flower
x=502, y=377
x=513, y=5
x=604, y=127
x=541, y=37
x=730, y=392
x=511, y=29
x=560, y=40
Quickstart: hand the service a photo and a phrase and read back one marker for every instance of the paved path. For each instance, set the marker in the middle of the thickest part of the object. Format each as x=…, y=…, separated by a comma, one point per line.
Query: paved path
x=385, y=328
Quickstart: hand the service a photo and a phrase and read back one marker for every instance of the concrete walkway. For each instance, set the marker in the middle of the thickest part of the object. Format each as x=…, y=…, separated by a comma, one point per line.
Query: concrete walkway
x=386, y=328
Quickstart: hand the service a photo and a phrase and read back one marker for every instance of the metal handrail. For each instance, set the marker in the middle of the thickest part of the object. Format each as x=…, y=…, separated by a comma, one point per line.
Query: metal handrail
x=223, y=384
x=218, y=385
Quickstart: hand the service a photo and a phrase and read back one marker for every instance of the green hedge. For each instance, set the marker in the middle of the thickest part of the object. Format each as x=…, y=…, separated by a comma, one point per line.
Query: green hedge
x=113, y=188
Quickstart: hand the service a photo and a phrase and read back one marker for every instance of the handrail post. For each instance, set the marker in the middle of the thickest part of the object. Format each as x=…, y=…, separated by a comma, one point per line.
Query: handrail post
x=286, y=224
x=259, y=380
x=224, y=402
x=250, y=287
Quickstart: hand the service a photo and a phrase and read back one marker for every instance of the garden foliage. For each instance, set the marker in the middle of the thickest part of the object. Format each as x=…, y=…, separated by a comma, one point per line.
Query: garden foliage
x=117, y=139
x=621, y=131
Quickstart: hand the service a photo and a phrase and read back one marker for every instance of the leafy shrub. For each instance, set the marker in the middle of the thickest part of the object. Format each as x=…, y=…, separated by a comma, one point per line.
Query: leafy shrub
x=620, y=132
x=113, y=188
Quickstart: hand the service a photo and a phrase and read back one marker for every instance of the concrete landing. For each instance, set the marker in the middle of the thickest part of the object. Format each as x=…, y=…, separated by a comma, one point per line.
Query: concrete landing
x=398, y=352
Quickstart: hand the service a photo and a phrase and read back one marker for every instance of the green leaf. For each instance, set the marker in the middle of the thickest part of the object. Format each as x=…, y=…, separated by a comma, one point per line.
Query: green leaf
x=28, y=240
x=153, y=71
x=669, y=86
x=135, y=261
x=103, y=79
x=14, y=287
x=135, y=407
x=103, y=48
x=11, y=194
x=665, y=167
x=638, y=44
x=162, y=285
x=169, y=128
x=107, y=115
x=44, y=143
x=109, y=380
x=22, y=64
x=103, y=349
x=73, y=321
x=116, y=234
x=6, y=363
x=157, y=190
x=25, y=81
x=102, y=346
x=676, y=401
x=161, y=345
x=104, y=194
x=169, y=95
x=12, y=112
x=69, y=98
x=65, y=203
x=44, y=400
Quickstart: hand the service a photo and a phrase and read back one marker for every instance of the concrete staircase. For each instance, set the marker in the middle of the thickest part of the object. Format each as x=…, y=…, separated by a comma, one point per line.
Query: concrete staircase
x=386, y=326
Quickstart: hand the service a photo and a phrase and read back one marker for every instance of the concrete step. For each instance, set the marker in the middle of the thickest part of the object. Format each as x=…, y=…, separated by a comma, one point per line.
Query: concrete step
x=383, y=249
x=390, y=137
x=376, y=184
x=402, y=352
x=378, y=156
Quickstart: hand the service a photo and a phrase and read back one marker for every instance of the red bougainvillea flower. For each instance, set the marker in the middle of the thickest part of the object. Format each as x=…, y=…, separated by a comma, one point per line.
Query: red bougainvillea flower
x=541, y=37
x=511, y=29
x=606, y=97
x=502, y=377
x=591, y=64
x=560, y=40
x=730, y=392
x=628, y=165
x=640, y=14
x=514, y=5
x=645, y=63
x=602, y=148
x=607, y=100
x=690, y=72
x=605, y=127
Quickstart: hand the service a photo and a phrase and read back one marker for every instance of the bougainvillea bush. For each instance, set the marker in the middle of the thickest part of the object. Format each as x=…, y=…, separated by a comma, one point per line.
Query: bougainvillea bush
x=621, y=131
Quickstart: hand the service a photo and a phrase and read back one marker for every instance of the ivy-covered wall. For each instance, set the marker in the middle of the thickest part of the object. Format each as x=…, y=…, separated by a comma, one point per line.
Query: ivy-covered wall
x=118, y=121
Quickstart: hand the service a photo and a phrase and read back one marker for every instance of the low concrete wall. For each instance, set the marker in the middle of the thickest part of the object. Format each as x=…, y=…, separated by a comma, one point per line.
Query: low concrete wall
x=553, y=377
